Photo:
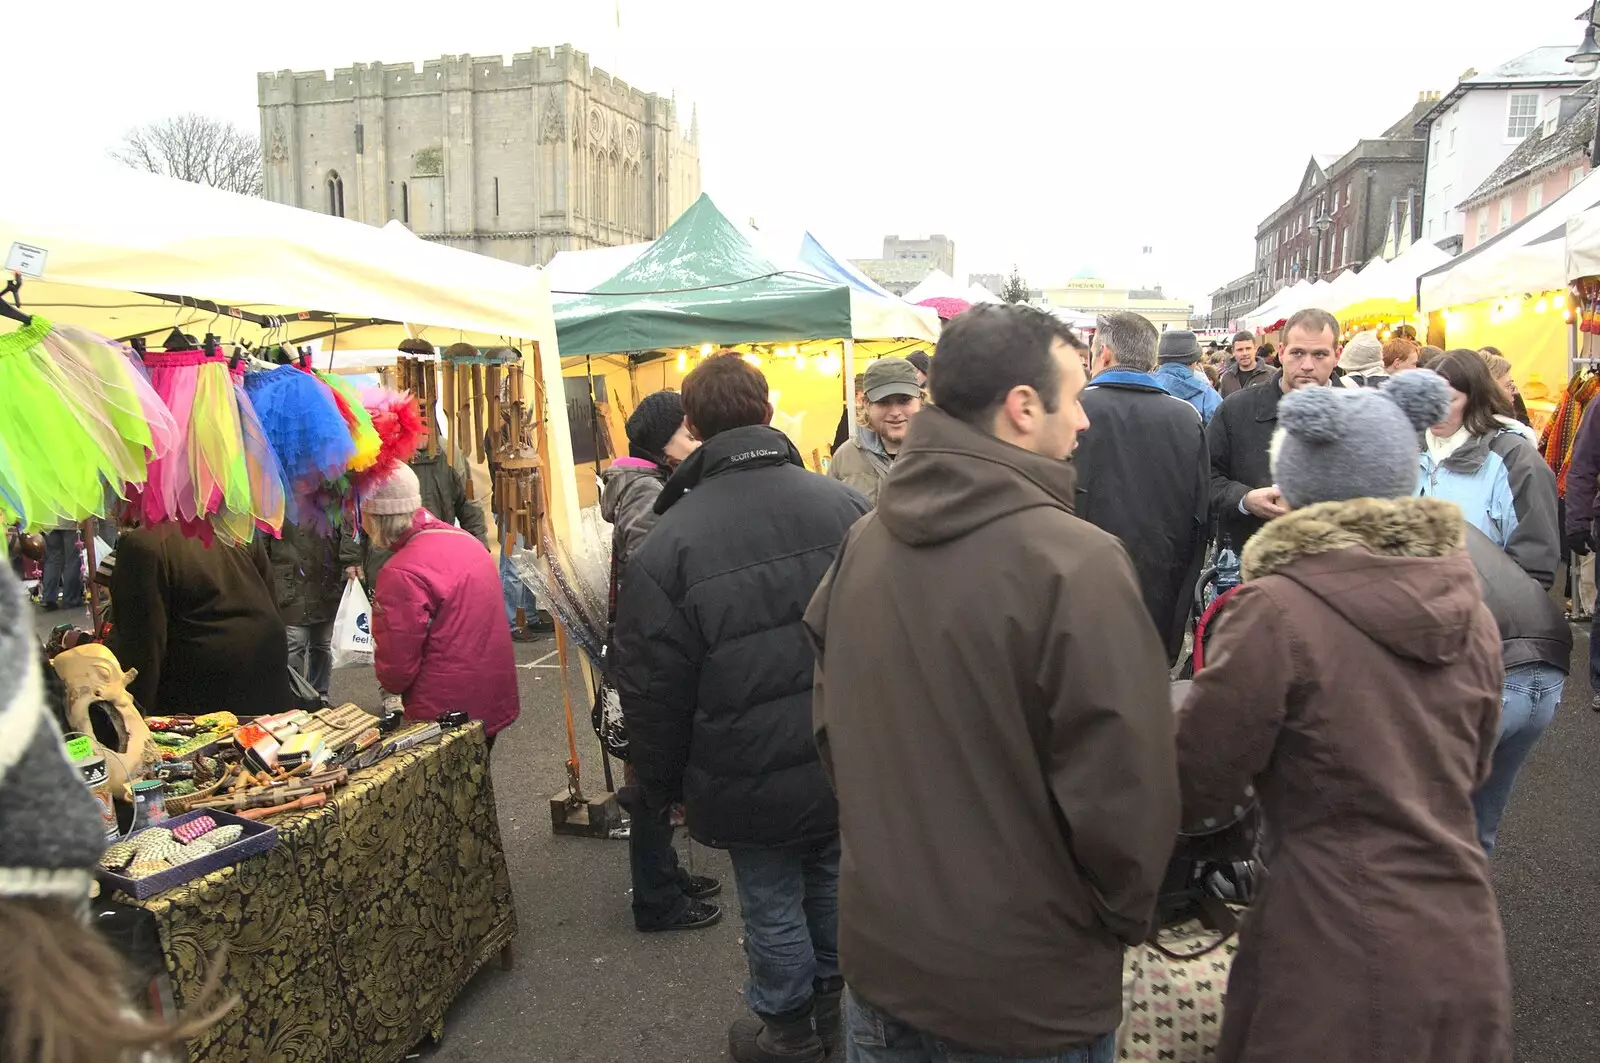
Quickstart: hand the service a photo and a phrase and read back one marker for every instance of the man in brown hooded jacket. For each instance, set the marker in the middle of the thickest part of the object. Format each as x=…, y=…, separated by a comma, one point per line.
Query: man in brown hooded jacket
x=991, y=701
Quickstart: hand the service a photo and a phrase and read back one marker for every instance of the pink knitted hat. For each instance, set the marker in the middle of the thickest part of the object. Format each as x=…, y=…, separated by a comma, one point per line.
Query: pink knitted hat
x=399, y=494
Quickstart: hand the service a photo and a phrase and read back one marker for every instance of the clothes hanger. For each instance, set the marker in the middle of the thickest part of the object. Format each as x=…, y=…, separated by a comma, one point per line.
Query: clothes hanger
x=13, y=288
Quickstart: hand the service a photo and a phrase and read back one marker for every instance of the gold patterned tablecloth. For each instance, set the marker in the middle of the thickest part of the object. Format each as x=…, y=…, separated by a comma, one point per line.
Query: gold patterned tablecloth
x=348, y=940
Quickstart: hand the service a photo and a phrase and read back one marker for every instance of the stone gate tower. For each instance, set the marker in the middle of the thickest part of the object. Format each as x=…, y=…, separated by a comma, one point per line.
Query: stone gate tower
x=517, y=162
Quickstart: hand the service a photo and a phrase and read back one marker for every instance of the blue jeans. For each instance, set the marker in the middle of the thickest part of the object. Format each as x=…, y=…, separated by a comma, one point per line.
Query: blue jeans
x=790, y=902
x=63, y=569
x=518, y=595
x=311, y=653
x=1527, y=705
x=873, y=1036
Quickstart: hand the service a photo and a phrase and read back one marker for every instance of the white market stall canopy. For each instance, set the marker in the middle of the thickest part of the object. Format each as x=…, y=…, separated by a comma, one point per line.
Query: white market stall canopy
x=111, y=234
x=114, y=241
x=1281, y=304
x=1528, y=257
x=579, y=271
x=1583, y=245
x=1387, y=289
x=936, y=285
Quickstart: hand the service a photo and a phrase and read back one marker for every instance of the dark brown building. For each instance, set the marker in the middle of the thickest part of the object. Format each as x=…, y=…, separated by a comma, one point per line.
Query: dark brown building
x=1348, y=209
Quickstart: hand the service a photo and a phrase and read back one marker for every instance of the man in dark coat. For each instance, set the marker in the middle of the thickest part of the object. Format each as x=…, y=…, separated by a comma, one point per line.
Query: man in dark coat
x=715, y=673
x=309, y=581
x=1582, y=510
x=1144, y=474
x=1242, y=496
x=1245, y=370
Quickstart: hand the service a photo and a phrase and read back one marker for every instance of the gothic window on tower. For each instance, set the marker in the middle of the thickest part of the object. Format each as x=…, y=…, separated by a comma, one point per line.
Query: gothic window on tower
x=335, y=194
x=405, y=204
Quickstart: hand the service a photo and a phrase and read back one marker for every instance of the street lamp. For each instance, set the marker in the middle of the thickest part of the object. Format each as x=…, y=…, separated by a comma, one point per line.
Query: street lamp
x=1587, y=58
x=1321, y=225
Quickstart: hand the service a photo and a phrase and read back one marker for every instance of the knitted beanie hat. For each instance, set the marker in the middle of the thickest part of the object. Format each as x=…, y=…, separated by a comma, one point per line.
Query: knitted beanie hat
x=400, y=493
x=1179, y=345
x=654, y=423
x=1339, y=443
x=51, y=833
x=1363, y=354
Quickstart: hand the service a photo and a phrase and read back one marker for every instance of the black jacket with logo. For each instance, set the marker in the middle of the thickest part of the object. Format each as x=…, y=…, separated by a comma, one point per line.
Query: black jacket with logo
x=713, y=666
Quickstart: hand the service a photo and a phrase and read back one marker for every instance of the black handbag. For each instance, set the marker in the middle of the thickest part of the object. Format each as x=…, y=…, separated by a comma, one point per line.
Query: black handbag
x=606, y=715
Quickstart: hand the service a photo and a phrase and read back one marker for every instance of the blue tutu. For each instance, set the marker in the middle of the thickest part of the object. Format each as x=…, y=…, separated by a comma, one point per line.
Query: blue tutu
x=302, y=422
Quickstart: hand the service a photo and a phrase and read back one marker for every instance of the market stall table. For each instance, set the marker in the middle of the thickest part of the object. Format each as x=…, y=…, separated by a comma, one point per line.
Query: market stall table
x=350, y=938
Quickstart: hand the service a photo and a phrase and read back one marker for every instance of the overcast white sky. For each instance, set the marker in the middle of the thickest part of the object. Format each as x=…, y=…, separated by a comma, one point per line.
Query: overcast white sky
x=1051, y=134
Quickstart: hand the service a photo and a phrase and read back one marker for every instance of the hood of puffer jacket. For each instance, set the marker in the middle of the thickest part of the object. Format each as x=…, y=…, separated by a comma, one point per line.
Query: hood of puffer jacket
x=1181, y=380
x=951, y=478
x=1395, y=568
x=614, y=482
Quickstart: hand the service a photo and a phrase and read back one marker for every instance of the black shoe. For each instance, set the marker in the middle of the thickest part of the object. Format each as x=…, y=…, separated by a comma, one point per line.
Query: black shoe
x=775, y=1039
x=51, y=607
x=522, y=634
x=542, y=625
x=702, y=886
x=1594, y=703
x=697, y=916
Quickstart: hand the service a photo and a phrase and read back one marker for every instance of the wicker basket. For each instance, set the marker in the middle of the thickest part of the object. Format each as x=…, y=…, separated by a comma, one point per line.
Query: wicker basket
x=177, y=805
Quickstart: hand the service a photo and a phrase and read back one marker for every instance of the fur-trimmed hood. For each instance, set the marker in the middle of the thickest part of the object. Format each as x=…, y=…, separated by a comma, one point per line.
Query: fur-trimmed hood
x=1395, y=568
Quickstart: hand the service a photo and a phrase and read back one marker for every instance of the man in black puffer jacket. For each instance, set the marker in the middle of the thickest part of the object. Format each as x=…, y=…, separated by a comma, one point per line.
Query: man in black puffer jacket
x=715, y=672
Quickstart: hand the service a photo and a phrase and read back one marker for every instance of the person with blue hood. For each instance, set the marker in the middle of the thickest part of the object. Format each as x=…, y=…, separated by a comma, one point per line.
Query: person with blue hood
x=1179, y=351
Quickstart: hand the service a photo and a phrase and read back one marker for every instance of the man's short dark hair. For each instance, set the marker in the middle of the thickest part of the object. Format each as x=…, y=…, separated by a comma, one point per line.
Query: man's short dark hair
x=992, y=348
x=1243, y=336
x=920, y=359
x=722, y=393
x=1312, y=320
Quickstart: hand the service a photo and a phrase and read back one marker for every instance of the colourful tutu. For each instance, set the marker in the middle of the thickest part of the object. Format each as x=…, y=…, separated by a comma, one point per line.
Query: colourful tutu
x=222, y=478
x=398, y=421
x=75, y=414
x=360, y=421
x=398, y=426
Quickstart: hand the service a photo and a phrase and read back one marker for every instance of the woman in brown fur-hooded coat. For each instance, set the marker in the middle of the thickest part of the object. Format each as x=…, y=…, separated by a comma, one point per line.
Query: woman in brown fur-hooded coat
x=1354, y=681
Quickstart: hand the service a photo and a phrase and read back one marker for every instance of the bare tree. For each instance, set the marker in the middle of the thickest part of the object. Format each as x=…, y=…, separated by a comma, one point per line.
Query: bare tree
x=192, y=147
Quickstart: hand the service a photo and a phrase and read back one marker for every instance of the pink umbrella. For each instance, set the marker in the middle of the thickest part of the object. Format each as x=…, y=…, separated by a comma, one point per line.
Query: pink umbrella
x=946, y=307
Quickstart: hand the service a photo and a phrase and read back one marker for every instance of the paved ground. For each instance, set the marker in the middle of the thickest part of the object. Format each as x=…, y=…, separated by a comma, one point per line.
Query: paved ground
x=588, y=989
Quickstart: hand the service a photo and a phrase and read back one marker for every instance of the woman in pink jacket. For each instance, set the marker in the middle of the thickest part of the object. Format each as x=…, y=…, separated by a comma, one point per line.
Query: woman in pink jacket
x=439, y=631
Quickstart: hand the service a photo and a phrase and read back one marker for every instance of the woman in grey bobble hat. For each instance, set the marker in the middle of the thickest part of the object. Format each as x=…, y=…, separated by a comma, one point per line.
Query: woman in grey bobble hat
x=64, y=994
x=1354, y=681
